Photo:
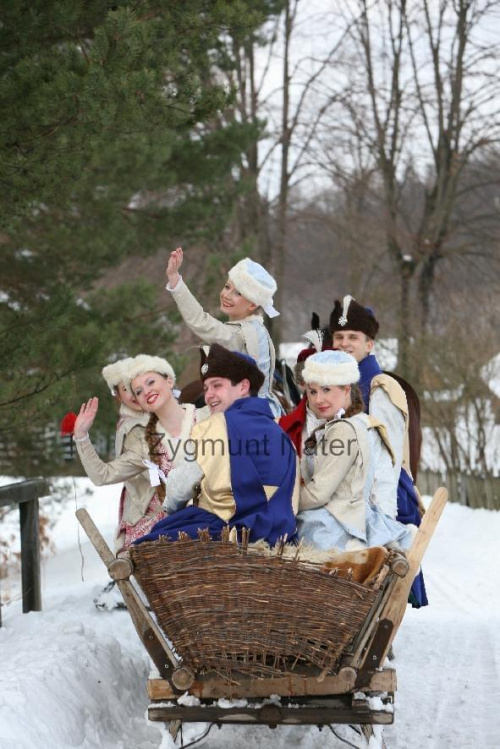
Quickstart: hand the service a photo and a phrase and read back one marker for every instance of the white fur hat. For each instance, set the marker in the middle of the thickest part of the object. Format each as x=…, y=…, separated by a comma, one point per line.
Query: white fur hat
x=114, y=374
x=331, y=368
x=255, y=283
x=144, y=363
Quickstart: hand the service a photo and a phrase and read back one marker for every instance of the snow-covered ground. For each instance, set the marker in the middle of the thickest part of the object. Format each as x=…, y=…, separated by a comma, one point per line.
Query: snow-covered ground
x=72, y=676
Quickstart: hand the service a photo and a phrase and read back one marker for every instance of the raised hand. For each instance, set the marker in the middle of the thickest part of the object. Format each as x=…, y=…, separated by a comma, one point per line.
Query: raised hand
x=85, y=418
x=174, y=263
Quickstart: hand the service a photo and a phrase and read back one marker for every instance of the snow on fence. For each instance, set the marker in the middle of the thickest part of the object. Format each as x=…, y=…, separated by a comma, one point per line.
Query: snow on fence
x=468, y=490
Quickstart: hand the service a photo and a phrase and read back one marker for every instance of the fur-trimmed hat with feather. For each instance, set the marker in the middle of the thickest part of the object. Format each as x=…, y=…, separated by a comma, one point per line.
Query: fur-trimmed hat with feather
x=316, y=340
x=350, y=315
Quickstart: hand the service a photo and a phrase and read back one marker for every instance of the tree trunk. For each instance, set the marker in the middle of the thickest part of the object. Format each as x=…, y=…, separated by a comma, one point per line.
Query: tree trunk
x=404, y=327
x=425, y=290
x=279, y=263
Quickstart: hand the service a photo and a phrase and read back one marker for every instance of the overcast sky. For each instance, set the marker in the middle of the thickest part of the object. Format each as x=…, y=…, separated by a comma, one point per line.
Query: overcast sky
x=320, y=24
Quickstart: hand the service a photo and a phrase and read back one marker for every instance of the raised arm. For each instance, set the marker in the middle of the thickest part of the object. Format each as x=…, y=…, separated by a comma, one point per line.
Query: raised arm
x=206, y=327
x=128, y=465
x=173, y=265
x=85, y=419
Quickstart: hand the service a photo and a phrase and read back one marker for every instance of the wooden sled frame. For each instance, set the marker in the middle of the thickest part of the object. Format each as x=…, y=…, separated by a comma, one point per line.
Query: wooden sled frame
x=299, y=698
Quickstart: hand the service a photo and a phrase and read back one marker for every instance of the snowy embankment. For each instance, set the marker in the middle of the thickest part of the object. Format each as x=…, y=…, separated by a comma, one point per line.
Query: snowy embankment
x=72, y=676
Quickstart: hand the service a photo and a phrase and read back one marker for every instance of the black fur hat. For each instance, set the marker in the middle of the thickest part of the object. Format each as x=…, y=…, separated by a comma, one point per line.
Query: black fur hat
x=353, y=316
x=220, y=362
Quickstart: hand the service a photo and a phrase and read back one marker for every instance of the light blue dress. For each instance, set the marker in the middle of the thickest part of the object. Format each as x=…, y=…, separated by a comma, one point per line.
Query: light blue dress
x=264, y=364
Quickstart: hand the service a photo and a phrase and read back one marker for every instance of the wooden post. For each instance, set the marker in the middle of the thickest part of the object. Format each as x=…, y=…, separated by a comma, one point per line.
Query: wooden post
x=30, y=556
x=26, y=495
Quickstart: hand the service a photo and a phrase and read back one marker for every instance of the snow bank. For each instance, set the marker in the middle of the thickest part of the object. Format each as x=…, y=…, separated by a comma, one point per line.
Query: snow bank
x=72, y=676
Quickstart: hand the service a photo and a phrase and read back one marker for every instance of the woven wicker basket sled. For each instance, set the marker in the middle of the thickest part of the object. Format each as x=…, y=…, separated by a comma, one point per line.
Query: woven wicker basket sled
x=242, y=621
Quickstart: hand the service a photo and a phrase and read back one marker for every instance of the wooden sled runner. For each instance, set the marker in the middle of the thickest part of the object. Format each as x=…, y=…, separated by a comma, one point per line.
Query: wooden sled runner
x=294, y=641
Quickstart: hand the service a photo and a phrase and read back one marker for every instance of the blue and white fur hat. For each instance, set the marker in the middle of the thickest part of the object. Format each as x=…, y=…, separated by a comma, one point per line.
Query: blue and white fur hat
x=254, y=282
x=331, y=368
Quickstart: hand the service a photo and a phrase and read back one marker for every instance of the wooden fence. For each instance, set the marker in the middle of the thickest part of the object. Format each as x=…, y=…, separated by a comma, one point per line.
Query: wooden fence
x=471, y=491
x=25, y=494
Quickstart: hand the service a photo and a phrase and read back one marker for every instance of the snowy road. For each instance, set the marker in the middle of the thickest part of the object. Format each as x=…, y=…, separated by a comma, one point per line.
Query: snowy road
x=74, y=677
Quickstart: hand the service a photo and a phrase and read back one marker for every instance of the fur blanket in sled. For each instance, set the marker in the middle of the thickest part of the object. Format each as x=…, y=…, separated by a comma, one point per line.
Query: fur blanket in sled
x=361, y=566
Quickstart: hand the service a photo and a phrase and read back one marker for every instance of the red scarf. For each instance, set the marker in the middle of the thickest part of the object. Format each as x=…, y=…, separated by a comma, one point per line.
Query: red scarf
x=293, y=424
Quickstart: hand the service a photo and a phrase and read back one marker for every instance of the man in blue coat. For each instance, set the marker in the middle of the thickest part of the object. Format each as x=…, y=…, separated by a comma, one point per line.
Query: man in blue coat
x=353, y=328
x=241, y=469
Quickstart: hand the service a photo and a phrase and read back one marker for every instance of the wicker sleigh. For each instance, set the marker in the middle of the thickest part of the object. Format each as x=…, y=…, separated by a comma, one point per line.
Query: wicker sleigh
x=230, y=608
x=235, y=622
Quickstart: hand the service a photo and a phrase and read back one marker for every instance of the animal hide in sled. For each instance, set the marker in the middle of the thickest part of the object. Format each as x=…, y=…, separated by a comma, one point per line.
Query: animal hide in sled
x=361, y=566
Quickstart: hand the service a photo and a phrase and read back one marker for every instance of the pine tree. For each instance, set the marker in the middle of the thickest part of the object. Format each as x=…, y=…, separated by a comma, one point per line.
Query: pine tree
x=111, y=145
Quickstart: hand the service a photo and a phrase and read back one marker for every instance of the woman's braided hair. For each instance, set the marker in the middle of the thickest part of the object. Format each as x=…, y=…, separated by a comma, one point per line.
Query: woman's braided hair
x=357, y=404
x=153, y=440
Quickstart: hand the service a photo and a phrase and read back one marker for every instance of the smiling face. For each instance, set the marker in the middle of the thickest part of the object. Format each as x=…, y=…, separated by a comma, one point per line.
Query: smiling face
x=125, y=396
x=353, y=342
x=233, y=304
x=220, y=393
x=152, y=390
x=325, y=400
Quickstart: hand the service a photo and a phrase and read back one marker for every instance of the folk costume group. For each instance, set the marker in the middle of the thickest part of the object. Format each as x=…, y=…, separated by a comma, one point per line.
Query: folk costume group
x=334, y=472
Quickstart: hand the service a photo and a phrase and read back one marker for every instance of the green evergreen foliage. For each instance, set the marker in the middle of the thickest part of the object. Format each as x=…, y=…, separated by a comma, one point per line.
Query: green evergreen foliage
x=112, y=145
